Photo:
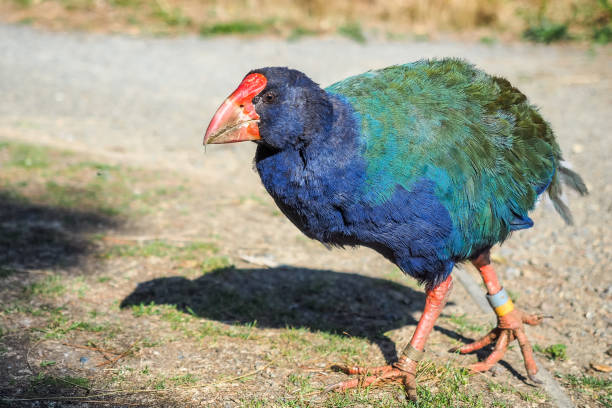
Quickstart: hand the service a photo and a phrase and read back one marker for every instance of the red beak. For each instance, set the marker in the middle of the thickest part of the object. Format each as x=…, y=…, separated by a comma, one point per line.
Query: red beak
x=236, y=119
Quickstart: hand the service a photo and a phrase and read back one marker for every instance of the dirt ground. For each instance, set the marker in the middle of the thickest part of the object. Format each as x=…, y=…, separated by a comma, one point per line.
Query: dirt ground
x=133, y=266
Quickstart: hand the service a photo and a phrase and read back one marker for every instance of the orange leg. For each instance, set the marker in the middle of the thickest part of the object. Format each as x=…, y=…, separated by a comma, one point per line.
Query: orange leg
x=404, y=370
x=509, y=326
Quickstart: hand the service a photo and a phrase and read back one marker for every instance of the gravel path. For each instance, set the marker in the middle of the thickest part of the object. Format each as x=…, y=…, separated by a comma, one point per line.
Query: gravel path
x=161, y=92
x=149, y=100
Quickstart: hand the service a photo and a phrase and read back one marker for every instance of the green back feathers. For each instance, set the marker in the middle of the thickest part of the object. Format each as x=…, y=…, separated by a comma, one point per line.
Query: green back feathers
x=486, y=149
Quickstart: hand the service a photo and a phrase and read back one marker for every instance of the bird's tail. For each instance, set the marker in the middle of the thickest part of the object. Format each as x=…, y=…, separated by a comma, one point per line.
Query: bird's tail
x=571, y=179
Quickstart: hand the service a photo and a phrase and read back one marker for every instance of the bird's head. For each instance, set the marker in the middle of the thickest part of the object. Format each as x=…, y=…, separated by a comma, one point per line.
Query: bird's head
x=276, y=106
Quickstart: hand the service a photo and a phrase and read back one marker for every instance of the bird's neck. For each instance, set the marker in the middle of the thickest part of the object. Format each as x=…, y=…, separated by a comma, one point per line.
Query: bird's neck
x=329, y=146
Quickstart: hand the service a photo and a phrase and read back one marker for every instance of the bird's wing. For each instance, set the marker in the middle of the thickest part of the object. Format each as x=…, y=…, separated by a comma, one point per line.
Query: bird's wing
x=488, y=151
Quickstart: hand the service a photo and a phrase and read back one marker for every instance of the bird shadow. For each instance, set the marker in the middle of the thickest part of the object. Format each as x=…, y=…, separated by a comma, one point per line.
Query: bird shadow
x=319, y=300
x=315, y=299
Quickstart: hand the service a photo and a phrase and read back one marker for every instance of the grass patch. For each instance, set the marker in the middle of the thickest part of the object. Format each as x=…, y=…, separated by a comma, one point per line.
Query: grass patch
x=486, y=40
x=212, y=329
x=553, y=352
x=49, y=286
x=300, y=32
x=535, y=396
x=254, y=403
x=214, y=263
x=362, y=397
x=296, y=335
x=591, y=382
x=353, y=31
x=464, y=324
x=58, y=328
x=597, y=388
x=43, y=379
x=546, y=31
x=163, y=249
x=187, y=379
x=96, y=166
x=92, y=196
x=58, y=322
x=602, y=35
x=57, y=178
x=171, y=16
x=233, y=27
x=27, y=156
x=125, y=3
x=6, y=271
x=300, y=383
x=452, y=385
x=145, y=310
x=601, y=26
x=341, y=344
x=24, y=3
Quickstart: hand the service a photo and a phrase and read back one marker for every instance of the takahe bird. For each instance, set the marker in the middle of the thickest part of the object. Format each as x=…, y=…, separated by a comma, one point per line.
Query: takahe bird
x=429, y=163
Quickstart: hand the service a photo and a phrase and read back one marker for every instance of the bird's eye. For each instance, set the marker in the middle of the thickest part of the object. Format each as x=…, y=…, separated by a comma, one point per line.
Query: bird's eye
x=269, y=97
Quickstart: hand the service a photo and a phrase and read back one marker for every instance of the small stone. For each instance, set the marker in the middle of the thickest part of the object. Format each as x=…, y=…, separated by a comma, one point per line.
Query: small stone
x=589, y=315
x=604, y=368
x=513, y=273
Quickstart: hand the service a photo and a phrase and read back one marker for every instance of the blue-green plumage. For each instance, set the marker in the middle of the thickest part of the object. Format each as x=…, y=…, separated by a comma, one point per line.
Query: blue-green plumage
x=429, y=163
x=485, y=148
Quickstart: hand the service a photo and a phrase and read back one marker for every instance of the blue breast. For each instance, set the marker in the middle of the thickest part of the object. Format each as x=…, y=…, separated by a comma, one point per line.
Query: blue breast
x=323, y=190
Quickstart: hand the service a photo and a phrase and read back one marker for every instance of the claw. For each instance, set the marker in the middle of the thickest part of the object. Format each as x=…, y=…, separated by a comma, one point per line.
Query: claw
x=374, y=375
x=533, y=378
x=510, y=327
x=361, y=370
x=338, y=386
x=535, y=319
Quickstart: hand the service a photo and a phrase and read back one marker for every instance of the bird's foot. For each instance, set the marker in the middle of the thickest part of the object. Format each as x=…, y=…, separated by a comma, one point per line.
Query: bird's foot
x=402, y=372
x=509, y=327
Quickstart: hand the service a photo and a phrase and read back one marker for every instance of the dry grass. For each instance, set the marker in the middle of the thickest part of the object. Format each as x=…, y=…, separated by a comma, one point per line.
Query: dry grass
x=292, y=19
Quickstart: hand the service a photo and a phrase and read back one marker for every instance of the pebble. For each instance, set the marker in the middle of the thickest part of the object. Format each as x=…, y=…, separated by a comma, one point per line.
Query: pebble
x=513, y=273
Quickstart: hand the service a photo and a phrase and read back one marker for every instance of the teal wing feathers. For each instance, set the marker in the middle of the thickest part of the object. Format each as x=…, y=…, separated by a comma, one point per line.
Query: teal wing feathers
x=488, y=151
